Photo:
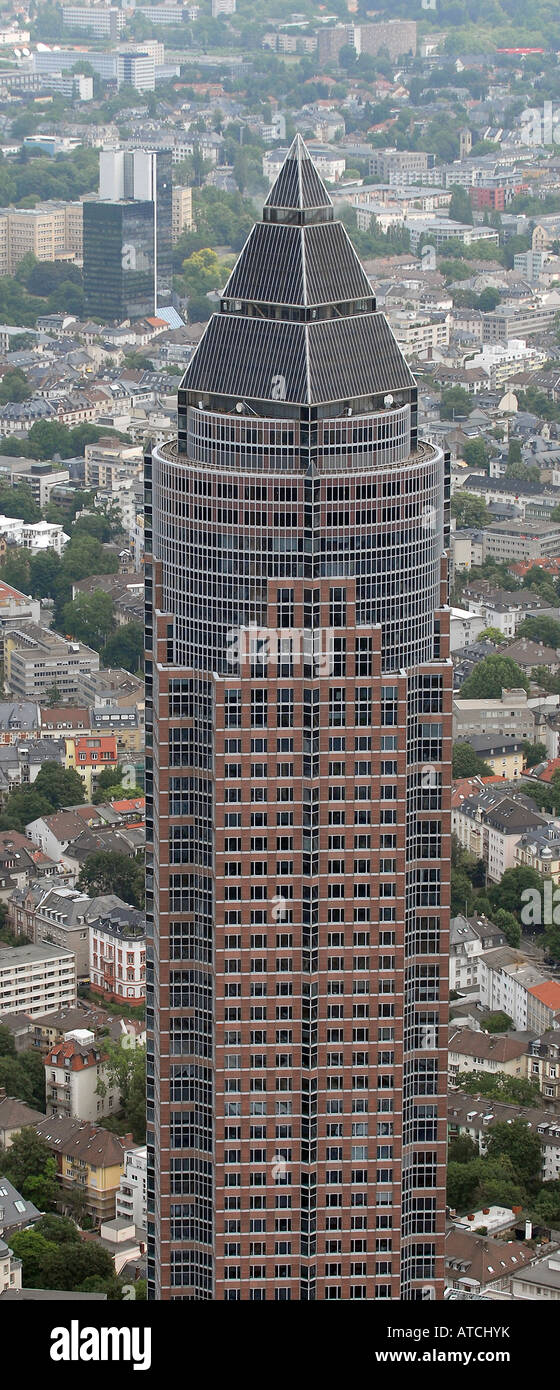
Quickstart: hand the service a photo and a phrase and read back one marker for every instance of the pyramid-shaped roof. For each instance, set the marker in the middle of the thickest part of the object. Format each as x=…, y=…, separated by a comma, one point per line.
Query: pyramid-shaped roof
x=298, y=309
x=298, y=187
x=307, y=266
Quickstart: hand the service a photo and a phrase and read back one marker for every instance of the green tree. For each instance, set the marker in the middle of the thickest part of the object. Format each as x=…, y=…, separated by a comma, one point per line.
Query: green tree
x=58, y=1229
x=125, y=648
x=514, y=451
x=32, y=1249
x=89, y=618
x=454, y=401
x=466, y=762
x=14, y=386
x=460, y=207
x=469, y=510
x=498, y=1022
x=509, y=925
x=514, y=1090
x=489, y=299
x=492, y=675
x=126, y=1068
x=19, y=502
x=491, y=634
x=29, y=1166
x=462, y=1149
x=462, y=1183
x=534, y=753
x=60, y=786
x=15, y=570
x=111, y=872
x=7, y=1044
x=507, y=895
x=23, y=805
x=44, y=572
x=547, y=1204
x=475, y=454
x=538, y=629
x=521, y=1145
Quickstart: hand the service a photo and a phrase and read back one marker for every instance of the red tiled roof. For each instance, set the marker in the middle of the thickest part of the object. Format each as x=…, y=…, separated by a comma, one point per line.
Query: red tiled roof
x=548, y=993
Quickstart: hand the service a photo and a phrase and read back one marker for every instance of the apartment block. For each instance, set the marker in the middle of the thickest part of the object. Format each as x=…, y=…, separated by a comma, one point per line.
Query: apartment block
x=181, y=217
x=50, y=232
x=38, y=661
x=36, y=979
x=101, y=21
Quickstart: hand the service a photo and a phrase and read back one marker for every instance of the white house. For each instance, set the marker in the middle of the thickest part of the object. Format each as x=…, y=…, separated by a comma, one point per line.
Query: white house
x=131, y=1196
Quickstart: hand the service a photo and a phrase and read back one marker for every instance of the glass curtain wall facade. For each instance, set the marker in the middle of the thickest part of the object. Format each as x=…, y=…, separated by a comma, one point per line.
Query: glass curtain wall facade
x=119, y=258
x=298, y=688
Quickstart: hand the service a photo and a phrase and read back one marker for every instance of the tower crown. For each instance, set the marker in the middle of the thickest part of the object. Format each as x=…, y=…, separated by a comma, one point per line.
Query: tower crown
x=298, y=309
x=298, y=197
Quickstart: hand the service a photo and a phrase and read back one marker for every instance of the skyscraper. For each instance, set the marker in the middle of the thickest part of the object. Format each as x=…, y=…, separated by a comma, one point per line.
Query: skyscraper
x=298, y=690
x=127, y=237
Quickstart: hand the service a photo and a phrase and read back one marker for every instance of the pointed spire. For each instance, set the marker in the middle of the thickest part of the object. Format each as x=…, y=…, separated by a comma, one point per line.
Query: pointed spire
x=298, y=188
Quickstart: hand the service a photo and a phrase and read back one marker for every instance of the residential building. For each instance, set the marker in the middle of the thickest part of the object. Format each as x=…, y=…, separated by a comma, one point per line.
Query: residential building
x=475, y=1117
x=521, y=540
x=509, y=984
x=468, y=937
x=21, y=763
x=480, y=1051
x=49, y=232
x=56, y=915
x=35, y=979
x=112, y=686
x=511, y=713
x=297, y=334
x=88, y=755
x=89, y=1160
x=14, y=1116
x=20, y=720
x=540, y=1281
x=540, y=850
x=490, y=825
x=503, y=755
x=10, y=1269
x=131, y=1201
x=118, y=956
x=77, y=1080
x=53, y=834
x=182, y=216
x=543, y=1064
x=61, y=721
x=15, y=608
x=36, y=536
x=37, y=661
x=97, y=20
x=476, y=1262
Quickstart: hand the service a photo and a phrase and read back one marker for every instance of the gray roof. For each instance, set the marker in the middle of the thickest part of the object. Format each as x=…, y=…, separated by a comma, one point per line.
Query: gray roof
x=15, y=1211
x=15, y=1114
x=298, y=265
x=19, y=714
x=331, y=359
